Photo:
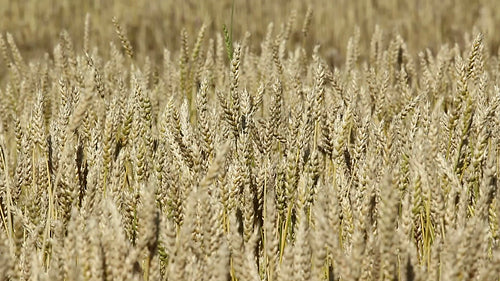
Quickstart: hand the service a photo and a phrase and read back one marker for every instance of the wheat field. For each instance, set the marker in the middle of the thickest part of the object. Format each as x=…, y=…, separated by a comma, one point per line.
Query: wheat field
x=249, y=140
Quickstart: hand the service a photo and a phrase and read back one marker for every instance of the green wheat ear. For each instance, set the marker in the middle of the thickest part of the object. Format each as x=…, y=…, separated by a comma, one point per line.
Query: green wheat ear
x=229, y=43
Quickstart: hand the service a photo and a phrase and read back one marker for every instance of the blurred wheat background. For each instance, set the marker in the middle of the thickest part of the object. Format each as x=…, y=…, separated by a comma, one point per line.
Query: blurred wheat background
x=249, y=140
x=153, y=25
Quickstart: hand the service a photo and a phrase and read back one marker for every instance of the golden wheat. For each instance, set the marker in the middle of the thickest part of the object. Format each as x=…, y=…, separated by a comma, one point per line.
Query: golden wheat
x=226, y=161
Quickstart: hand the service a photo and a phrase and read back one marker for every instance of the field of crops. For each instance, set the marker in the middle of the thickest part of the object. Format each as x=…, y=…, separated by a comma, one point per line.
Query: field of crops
x=249, y=140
